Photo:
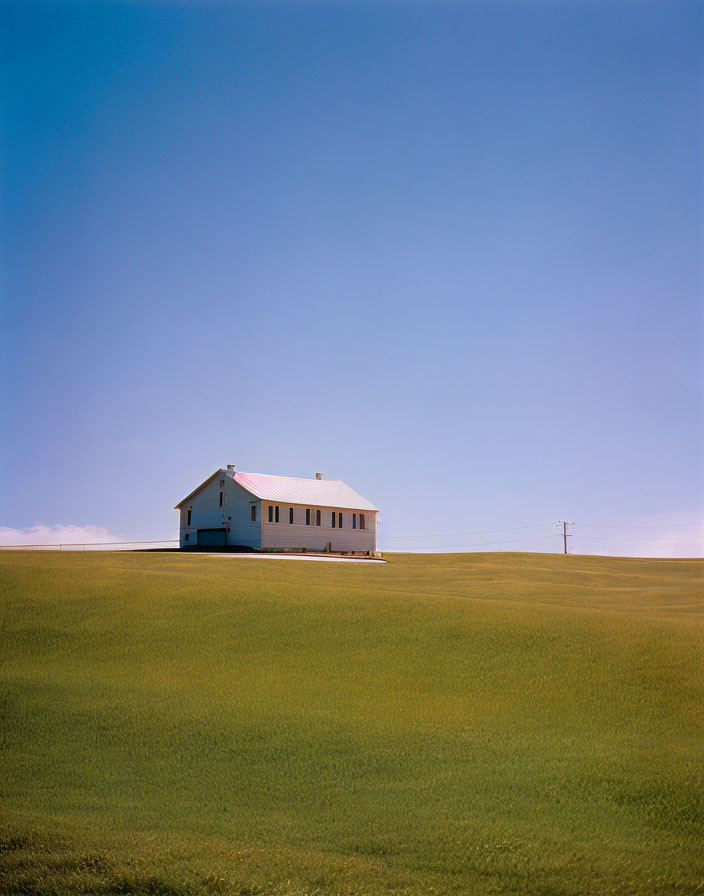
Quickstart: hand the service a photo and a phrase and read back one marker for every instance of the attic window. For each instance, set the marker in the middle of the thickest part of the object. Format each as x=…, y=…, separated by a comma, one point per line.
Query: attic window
x=188, y=517
x=222, y=499
x=253, y=513
x=222, y=483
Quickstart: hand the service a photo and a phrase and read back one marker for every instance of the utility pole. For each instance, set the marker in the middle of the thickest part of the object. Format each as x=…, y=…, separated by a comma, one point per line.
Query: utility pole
x=565, y=533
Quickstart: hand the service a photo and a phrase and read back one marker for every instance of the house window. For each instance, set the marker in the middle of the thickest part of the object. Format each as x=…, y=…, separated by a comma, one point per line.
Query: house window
x=271, y=513
x=222, y=483
x=333, y=519
x=339, y=520
x=276, y=514
x=222, y=499
x=354, y=520
x=253, y=513
x=317, y=517
x=307, y=516
x=361, y=521
x=290, y=516
x=185, y=537
x=188, y=517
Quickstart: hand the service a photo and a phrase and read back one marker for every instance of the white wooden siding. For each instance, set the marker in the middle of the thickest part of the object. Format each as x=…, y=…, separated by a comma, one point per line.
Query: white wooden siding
x=235, y=515
x=315, y=538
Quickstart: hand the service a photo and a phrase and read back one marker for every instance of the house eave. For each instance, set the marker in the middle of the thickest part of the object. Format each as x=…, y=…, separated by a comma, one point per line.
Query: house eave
x=198, y=488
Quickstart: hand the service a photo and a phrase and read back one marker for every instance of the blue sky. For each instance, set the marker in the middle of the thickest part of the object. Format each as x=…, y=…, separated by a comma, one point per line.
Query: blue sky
x=449, y=253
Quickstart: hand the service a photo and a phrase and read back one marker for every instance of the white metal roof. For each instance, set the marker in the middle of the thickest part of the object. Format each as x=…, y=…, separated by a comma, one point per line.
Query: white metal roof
x=316, y=492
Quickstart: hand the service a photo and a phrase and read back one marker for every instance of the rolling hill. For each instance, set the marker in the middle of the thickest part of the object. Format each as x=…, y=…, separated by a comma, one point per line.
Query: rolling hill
x=477, y=723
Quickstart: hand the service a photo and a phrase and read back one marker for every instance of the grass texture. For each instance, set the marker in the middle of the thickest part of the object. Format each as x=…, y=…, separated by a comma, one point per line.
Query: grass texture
x=177, y=725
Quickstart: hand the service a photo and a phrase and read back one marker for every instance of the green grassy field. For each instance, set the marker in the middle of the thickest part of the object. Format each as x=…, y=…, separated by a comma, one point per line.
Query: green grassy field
x=480, y=724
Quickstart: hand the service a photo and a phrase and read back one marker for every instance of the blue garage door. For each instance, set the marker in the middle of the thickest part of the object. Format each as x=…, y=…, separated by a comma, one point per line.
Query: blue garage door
x=212, y=537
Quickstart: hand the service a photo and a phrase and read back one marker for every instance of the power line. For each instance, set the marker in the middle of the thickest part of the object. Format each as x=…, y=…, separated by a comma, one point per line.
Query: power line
x=636, y=538
x=478, y=544
x=163, y=529
x=538, y=526
x=477, y=532
x=669, y=526
x=440, y=547
x=462, y=534
x=564, y=534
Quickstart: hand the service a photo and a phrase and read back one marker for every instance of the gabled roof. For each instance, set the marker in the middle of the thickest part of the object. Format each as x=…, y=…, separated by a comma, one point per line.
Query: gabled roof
x=320, y=492
x=290, y=490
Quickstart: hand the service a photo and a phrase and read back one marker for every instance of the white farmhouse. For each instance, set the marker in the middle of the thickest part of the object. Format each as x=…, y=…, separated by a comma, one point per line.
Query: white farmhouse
x=255, y=510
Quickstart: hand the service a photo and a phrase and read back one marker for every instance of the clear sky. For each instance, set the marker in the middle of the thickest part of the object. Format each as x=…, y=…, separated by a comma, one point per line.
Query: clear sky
x=449, y=253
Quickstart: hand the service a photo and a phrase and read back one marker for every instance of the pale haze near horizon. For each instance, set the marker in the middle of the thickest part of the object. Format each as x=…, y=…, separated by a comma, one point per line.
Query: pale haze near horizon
x=450, y=254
